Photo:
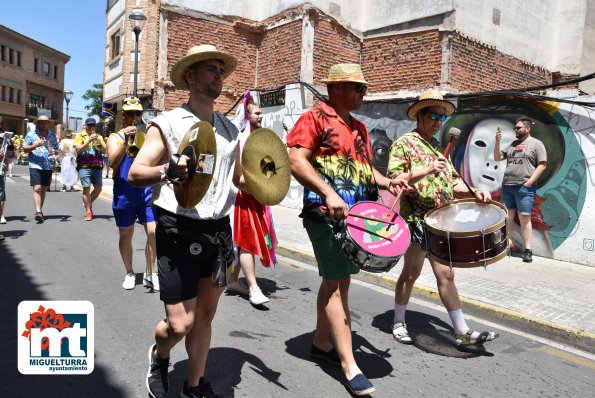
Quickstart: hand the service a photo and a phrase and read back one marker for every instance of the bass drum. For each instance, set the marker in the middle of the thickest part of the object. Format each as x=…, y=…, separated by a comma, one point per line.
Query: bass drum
x=465, y=233
x=369, y=244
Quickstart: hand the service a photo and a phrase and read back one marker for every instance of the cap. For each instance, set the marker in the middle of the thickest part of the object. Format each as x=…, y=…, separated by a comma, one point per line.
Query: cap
x=90, y=120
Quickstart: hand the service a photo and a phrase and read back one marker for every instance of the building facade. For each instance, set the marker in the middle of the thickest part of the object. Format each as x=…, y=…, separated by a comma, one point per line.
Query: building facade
x=31, y=80
x=404, y=46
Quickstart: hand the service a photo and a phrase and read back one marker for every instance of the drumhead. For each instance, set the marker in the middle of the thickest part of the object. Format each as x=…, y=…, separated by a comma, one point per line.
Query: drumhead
x=373, y=236
x=467, y=215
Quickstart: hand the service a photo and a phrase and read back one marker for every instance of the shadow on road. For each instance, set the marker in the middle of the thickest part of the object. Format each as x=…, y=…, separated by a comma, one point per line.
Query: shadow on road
x=224, y=372
x=430, y=334
x=19, y=287
x=370, y=360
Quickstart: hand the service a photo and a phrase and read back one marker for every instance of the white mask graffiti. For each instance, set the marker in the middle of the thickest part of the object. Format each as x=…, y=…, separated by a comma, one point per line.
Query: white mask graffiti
x=485, y=172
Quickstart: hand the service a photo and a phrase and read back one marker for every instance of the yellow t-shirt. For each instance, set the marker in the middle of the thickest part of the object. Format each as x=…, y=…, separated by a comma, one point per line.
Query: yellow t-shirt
x=91, y=156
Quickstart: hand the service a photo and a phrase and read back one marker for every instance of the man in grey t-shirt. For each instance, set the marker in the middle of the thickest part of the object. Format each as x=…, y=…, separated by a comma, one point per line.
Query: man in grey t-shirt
x=526, y=161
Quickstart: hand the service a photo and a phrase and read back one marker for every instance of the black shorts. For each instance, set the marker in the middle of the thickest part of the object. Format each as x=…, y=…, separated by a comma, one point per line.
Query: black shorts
x=187, y=251
x=2, y=190
x=40, y=177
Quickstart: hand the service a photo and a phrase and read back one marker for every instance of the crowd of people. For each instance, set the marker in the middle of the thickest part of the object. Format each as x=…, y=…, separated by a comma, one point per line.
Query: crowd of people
x=191, y=246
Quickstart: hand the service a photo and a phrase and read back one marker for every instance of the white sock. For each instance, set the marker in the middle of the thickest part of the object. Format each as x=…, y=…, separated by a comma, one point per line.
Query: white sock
x=352, y=371
x=458, y=321
x=400, y=313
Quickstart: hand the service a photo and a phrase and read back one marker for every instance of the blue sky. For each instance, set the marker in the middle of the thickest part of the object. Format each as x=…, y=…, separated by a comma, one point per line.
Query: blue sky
x=74, y=27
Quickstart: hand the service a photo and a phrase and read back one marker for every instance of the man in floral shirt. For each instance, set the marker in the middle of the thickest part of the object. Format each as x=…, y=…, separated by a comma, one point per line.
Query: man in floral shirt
x=41, y=145
x=417, y=155
x=331, y=157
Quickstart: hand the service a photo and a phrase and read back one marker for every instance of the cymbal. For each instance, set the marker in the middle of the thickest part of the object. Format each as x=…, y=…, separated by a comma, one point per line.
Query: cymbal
x=200, y=145
x=266, y=166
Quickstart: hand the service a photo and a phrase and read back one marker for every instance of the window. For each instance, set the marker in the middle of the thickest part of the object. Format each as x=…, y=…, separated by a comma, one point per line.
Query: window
x=19, y=54
x=10, y=56
x=11, y=95
x=3, y=53
x=55, y=72
x=3, y=89
x=115, y=44
x=36, y=65
x=46, y=68
x=36, y=101
x=18, y=96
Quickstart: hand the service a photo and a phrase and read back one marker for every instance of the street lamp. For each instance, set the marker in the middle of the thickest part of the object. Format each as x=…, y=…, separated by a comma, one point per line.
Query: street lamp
x=137, y=21
x=67, y=96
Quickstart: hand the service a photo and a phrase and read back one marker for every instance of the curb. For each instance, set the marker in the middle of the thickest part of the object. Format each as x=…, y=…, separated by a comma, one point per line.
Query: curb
x=562, y=334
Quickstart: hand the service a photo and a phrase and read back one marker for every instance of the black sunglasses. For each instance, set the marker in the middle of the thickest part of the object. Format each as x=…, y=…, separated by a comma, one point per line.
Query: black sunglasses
x=134, y=113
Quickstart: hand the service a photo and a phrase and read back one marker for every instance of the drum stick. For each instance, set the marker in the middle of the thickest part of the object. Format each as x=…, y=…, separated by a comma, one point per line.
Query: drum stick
x=371, y=218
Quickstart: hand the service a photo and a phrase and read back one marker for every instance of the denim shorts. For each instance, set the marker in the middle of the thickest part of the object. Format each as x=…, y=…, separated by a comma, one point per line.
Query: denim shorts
x=40, y=177
x=519, y=198
x=91, y=176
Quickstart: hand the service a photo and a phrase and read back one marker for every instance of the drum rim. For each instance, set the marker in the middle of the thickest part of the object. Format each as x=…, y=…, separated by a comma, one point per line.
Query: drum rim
x=406, y=229
x=443, y=232
x=473, y=264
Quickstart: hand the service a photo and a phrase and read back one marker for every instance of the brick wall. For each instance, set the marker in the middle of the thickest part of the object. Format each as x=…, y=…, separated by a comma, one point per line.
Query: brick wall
x=477, y=67
x=185, y=32
x=279, y=55
x=333, y=44
x=402, y=62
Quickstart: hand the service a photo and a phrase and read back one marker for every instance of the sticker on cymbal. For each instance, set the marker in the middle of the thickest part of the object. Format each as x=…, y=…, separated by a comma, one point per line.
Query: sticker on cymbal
x=205, y=164
x=193, y=135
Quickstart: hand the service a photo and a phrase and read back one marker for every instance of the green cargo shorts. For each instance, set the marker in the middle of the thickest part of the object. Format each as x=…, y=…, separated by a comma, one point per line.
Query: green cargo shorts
x=332, y=263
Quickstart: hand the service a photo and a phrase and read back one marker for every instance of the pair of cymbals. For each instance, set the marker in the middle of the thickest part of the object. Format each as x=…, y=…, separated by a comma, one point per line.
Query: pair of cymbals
x=266, y=167
x=265, y=164
x=200, y=145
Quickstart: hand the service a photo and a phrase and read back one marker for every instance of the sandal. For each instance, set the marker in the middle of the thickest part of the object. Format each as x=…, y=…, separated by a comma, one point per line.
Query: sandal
x=466, y=339
x=39, y=217
x=401, y=334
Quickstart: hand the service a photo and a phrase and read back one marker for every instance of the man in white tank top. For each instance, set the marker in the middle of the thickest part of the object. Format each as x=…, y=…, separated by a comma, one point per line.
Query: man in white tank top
x=191, y=243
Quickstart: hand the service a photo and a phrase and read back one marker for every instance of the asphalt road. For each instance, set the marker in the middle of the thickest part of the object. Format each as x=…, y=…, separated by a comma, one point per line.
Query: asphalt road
x=256, y=352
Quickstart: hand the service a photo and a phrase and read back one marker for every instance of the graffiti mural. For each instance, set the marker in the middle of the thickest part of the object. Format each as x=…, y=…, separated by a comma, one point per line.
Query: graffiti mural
x=563, y=222
x=563, y=217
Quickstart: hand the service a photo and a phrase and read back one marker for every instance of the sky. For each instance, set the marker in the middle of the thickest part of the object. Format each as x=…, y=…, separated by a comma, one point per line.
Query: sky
x=74, y=27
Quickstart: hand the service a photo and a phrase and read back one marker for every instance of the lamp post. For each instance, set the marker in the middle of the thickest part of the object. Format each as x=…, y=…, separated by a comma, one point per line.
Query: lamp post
x=137, y=21
x=67, y=97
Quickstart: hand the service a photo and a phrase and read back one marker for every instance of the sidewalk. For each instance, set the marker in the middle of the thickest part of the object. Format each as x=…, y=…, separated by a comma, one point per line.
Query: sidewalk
x=552, y=299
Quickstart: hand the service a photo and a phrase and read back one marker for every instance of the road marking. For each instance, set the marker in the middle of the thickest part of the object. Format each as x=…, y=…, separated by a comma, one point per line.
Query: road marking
x=570, y=353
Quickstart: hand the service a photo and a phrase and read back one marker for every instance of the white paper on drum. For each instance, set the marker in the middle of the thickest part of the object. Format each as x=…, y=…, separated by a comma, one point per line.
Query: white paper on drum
x=467, y=215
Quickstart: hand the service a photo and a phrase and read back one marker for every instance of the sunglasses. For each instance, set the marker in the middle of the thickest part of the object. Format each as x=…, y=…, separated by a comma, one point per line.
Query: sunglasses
x=438, y=116
x=359, y=88
x=133, y=113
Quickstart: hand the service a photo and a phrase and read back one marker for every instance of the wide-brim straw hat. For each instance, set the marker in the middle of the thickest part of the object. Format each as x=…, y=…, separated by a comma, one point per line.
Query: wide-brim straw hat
x=67, y=133
x=340, y=73
x=43, y=118
x=428, y=99
x=197, y=54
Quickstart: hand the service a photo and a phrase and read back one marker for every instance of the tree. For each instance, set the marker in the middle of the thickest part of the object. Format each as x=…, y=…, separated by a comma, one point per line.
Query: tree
x=95, y=95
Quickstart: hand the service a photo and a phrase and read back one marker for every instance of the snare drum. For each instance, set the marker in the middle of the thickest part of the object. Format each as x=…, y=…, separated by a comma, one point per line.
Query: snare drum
x=370, y=244
x=466, y=233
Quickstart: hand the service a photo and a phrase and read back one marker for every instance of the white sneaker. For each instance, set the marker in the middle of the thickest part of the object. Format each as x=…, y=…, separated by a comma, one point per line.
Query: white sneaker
x=2, y=220
x=129, y=281
x=151, y=281
x=257, y=298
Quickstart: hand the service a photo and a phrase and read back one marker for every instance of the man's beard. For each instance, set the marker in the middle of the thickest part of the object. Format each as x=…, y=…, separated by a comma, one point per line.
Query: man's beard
x=212, y=92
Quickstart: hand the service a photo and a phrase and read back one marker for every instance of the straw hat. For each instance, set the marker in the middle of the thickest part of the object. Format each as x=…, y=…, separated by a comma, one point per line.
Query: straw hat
x=345, y=73
x=42, y=118
x=428, y=99
x=68, y=132
x=196, y=54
